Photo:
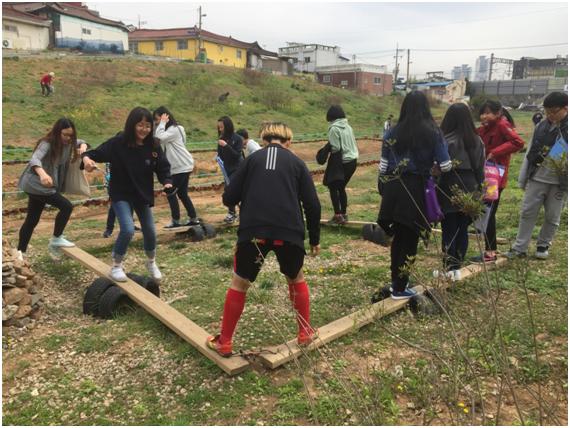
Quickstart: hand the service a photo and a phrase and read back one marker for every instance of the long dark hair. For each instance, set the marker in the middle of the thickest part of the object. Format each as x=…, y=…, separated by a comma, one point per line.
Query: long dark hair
x=335, y=112
x=458, y=120
x=496, y=107
x=416, y=128
x=135, y=116
x=228, y=128
x=171, y=120
x=53, y=137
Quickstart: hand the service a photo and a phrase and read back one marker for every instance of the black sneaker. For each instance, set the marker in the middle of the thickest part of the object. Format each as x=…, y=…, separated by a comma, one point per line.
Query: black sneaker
x=107, y=233
x=541, y=253
x=173, y=224
x=194, y=221
x=514, y=254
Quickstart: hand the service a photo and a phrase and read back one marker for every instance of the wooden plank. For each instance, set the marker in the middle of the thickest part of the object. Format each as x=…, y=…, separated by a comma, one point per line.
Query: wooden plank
x=362, y=223
x=281, y=354
x=185, y=328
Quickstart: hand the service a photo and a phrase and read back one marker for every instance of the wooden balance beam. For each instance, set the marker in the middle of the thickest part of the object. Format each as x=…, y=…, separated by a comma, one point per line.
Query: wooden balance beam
x=362, y=223
x=182, y=326
x=281, y=354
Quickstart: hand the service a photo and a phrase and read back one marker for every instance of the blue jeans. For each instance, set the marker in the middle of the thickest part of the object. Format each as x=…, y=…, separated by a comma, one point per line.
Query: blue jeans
x=124, y=213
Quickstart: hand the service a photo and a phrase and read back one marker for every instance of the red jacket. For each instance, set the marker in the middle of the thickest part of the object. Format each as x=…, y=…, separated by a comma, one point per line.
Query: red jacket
x=46, y=80
x=501, y=140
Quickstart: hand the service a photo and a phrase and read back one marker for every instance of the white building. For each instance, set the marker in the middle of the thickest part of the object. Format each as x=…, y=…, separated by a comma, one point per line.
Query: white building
x=74, y=26
x=307, y=57
x=21, y=30
x=481, y=69
x=461, y=72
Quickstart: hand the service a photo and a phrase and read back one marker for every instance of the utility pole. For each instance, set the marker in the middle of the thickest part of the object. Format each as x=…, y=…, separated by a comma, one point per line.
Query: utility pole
x=408, y=71
x=491, y=66
x=396, y=69
x=200, y=15
x=141, y=22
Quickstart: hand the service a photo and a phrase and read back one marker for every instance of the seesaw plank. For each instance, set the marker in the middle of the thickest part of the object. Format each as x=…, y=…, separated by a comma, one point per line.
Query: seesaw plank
x=182, y=326
x=281, y=354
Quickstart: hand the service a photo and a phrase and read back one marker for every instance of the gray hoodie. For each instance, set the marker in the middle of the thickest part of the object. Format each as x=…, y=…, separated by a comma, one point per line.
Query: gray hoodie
x=173, y=142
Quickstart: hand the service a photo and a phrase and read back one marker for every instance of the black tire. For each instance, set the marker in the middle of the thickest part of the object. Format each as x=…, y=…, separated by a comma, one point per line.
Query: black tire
x=147, y=282
x=196, y=233
x=380, y=237
x=422, y=305
x=93, y=295
x=381, y=294
x=367, y=231
x=209, y=230
x=114, y=301
x=438, y=298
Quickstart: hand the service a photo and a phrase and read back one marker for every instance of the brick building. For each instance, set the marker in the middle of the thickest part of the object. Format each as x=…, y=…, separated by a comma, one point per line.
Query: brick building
x=370, y=79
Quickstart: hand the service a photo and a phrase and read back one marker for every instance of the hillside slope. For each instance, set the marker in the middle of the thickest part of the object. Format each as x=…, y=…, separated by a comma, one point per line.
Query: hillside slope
x=98, y=93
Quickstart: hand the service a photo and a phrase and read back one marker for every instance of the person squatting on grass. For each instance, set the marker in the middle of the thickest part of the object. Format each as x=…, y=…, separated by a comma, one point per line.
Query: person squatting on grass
x=466, y=148
x=409, y=151
x=341, y=139
x=172, y=138
x=134, y=156
x=544, y=184
x=501, y=140
x=43, y=180
x=271, y=186
x=46, y=83
x=230, y=146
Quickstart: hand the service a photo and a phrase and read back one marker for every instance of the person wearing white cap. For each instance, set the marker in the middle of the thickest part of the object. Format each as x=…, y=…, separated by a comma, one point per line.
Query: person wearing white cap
x=46, y=83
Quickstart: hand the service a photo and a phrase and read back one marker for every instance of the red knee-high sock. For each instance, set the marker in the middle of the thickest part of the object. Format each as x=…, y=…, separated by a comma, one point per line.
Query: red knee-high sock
x=235, y=302
x=299, y=294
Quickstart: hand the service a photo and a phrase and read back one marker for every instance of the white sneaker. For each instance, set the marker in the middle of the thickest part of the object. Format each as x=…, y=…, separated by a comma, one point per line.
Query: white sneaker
x=118, y=274
x=18, y=255
x=456, y=275
x=60, y=241
x=443, y=275
x=153, y=270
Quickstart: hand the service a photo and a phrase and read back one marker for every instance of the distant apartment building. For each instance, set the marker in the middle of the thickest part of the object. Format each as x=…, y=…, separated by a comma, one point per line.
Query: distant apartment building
x=461, y=72
x=307, y=57
x=481, y=69
x=370, y=79
x=535, y=68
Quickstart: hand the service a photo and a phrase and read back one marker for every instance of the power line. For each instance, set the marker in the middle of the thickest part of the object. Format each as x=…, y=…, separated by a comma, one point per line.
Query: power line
x=489, y=49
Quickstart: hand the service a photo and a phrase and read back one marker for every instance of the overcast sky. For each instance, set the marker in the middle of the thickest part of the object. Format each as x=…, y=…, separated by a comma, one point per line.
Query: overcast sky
x=371, y=30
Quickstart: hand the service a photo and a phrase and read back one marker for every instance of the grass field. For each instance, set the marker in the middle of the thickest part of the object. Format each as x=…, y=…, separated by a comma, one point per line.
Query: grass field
x=498, y=354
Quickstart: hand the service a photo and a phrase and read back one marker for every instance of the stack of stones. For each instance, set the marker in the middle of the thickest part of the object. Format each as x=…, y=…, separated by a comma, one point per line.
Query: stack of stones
x=22, y=301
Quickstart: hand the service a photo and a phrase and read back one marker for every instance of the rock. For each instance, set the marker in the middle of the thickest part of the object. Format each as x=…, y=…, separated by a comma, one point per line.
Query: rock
x=13, y=295
x=36, y=313
x=6, y=285
x=29, y=284
x=26, y=300
x=8, y=312
x=21, y=280
x=23, y=322
x=8, y=273
x=35, y=298
x=9, y=280
x=7, y=266
x=23, y=311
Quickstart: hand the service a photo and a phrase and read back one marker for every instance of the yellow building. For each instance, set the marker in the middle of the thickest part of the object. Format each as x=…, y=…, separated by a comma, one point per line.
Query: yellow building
x=183, y=43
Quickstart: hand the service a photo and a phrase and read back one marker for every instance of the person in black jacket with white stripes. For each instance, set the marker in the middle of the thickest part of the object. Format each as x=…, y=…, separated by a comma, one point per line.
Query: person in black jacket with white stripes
x=271, y=185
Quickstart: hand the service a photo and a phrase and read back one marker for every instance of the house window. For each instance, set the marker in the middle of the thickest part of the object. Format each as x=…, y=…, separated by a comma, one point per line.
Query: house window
x=238, y=54
x=182, y=45
x=307, y=59
x=327, y=78
x=134, y=47
x=344, y=83
x=12, y=28
x=86, y=31
x=377, y=80
x=158, y=46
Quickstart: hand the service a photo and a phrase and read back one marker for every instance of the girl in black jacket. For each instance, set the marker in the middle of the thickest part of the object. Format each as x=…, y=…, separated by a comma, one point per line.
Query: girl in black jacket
x=134, y=156
x=230, y=146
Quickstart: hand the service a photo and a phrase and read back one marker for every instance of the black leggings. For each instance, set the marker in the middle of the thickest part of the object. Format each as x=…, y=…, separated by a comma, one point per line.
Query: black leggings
x=181, y=182
x=337, y=189
x=403, y=250
x=491, y=232
x=36, y=204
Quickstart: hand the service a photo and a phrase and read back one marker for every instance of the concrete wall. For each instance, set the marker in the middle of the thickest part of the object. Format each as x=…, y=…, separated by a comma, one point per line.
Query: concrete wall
x=513, y=92
x=362, y=81
x=27, y=36
x=89, y=36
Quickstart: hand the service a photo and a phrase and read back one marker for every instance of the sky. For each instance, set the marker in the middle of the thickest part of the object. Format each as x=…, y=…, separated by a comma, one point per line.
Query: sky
x=373, y=30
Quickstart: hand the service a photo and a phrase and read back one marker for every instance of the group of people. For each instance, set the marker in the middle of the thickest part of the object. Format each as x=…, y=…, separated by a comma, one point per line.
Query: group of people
x=276, y=194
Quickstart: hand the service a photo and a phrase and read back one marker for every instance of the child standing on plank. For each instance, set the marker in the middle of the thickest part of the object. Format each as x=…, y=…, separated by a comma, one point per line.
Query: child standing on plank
x=230, y=146
x=544, y=184
x=465, y=147
x=43, y=180
x=409, y=151
x=271, y=187
x=134, y=157
x=172, y=138
x=501, y=141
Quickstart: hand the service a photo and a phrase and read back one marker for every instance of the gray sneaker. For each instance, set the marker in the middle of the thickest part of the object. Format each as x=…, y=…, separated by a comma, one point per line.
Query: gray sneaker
x=541, y=253
x=514, y=254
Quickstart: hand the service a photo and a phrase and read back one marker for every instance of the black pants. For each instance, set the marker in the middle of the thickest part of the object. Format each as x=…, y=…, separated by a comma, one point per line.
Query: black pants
x=491, y=232
x=403, y=251
x=454, y=240
x=36, y=204
x=337, y=189
x=181, y=182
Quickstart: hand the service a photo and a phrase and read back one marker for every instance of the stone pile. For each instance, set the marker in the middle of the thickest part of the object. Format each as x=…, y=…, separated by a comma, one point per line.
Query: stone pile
x=22, y=301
